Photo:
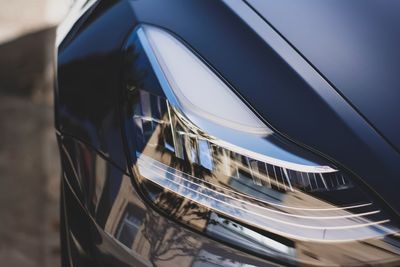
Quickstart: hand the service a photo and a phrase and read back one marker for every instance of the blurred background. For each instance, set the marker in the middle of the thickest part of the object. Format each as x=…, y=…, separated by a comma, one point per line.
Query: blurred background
x=29, y=165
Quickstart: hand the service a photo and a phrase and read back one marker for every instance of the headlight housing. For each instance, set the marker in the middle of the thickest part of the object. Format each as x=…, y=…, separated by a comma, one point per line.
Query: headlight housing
x=203, y=157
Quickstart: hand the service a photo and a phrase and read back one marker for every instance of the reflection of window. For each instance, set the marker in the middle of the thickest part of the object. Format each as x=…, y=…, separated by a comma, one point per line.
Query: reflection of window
x=261, y=192
x=206, y=258
x=129, y=225
x=231, y=231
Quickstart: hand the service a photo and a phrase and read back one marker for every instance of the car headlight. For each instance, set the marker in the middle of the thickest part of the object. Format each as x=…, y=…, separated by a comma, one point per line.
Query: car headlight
x=203, y=157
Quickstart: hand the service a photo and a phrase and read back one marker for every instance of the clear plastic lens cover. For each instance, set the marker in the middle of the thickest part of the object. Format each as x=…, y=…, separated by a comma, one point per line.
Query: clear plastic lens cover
x=203, y=97
x=200, y=148
x=175, y=154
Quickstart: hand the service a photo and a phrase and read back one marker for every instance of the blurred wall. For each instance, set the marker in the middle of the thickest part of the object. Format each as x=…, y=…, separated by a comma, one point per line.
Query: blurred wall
x=27, y=32
x=29, y=165
x=18, y=17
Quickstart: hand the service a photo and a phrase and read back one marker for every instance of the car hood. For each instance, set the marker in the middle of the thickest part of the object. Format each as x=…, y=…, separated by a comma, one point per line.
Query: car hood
x=340, y=42
x=354, y=45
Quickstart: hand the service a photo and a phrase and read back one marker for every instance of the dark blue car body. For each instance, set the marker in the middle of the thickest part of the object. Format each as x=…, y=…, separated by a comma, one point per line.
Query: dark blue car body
x=322, y=74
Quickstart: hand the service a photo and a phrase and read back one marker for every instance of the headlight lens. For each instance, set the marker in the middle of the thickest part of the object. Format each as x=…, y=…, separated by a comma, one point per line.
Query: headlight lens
x=200, y=145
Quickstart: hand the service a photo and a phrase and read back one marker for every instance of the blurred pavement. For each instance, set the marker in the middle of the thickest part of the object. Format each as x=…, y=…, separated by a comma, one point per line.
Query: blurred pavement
x=29, y=165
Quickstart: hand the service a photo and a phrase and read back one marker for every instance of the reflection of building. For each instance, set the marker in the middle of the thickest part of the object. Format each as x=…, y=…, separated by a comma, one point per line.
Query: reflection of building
x=145, y=232
x=126, y=217
x=150, y=236
x=211, y=176
x=233, y=232
x=205, y=258
x=130, y=225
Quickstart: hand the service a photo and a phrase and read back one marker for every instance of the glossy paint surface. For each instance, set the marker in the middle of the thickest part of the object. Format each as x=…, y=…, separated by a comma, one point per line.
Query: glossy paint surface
x=274, y=89
x=115, y=227
x=277, y=92
x=364, y=38
x=169, y=170
x=93, y=103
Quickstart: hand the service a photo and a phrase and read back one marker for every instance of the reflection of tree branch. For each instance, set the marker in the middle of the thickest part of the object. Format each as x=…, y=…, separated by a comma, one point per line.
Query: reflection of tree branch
x=166, y=240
